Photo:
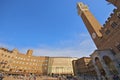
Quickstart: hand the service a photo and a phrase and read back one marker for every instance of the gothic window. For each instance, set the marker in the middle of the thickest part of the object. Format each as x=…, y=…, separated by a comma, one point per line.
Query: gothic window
x=113, y=24
x=107, y=32
x=118, y=15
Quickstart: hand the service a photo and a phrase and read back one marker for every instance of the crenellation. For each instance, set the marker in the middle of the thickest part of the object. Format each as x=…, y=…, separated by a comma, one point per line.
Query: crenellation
x=111, y=14
x=114, y=2
x=115, y=10
x=108, y=19
x=111, y=23
x=6, y=50
x=81, y=8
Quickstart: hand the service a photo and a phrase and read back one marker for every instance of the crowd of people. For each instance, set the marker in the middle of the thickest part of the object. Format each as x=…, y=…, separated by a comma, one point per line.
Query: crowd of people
x=25, y=77
x=34, y=77
x=38, y=77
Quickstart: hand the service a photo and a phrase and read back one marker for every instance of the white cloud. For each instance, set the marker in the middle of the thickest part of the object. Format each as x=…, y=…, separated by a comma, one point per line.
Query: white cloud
x=84, y=48
x=70, y=48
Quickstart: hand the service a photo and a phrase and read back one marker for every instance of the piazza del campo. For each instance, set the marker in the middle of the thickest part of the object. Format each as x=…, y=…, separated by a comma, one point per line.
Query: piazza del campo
x=103, y=63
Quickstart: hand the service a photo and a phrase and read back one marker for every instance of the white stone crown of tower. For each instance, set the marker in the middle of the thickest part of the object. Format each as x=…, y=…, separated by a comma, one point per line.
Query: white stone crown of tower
x=81, y=7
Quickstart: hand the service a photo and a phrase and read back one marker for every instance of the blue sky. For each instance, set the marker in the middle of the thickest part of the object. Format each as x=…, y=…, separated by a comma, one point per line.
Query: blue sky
x=49, y=27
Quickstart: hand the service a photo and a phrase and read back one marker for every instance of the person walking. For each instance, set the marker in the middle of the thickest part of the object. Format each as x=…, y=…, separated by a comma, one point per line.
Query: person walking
x=1, y=76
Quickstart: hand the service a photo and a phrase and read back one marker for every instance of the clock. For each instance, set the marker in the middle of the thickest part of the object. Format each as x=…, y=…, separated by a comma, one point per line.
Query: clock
x=93, y=35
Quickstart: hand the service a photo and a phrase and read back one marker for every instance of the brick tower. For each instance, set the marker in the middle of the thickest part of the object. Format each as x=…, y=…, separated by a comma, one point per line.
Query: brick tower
x=91, y=23
x=106, y=38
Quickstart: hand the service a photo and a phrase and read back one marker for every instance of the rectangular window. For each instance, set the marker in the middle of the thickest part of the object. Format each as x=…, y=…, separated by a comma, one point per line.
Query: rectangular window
x=114, y=24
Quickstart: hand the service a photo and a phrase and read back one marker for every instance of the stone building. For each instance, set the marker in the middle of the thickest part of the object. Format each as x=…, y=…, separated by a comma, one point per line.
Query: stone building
x=13, y=62
x=37, y=64
x=106, y=38
x=6, y=59
x=81, y=66
x=84, y=68
x=91, y=69
x=60, y=66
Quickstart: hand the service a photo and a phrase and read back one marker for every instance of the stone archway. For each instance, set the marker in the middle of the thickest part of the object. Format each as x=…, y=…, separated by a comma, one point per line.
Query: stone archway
x=105, y=62
x=110, y=65
x=99, y=65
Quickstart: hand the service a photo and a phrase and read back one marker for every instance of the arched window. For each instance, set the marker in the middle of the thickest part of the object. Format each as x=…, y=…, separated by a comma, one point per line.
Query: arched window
x=109, y=62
